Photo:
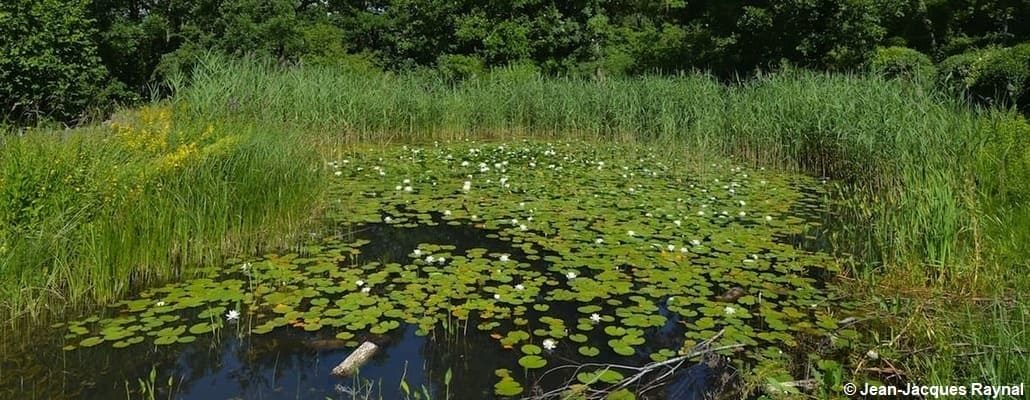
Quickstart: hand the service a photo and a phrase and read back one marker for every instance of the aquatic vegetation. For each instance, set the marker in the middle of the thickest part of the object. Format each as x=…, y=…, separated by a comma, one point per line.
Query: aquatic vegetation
x=89, y=215
x=584, y=267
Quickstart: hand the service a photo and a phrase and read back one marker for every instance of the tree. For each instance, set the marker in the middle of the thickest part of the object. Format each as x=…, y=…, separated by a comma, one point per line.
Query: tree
x=48, y=61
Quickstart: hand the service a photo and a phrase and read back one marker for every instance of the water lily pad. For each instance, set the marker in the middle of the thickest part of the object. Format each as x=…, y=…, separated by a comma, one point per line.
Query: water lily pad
x=589, y=351
x=532, y=362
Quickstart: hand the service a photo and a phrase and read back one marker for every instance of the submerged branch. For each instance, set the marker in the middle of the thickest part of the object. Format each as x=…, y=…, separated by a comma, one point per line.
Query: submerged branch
x=666, y=368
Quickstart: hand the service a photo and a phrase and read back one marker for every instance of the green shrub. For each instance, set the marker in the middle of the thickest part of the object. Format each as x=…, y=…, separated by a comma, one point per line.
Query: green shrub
x=902, y=62
x=457, y=67
x=993, y=75
x=48, y=62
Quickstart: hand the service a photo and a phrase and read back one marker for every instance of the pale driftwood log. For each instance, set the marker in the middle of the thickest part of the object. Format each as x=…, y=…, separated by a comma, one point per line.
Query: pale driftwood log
x=356, y=359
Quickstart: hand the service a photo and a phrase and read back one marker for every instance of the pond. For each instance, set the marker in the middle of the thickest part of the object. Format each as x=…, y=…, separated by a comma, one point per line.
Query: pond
x=481, y=270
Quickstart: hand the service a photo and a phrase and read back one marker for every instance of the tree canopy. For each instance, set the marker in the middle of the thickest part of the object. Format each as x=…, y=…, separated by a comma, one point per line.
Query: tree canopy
x=124, y=47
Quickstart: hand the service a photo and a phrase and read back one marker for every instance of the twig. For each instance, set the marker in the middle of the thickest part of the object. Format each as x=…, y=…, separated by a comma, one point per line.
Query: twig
x=670, y=366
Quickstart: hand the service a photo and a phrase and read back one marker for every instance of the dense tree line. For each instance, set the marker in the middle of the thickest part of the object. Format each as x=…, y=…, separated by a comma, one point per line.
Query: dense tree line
x=57, y=57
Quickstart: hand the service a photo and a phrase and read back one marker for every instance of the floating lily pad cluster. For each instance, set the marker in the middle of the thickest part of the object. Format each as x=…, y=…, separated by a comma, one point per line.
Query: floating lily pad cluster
x=602, y=249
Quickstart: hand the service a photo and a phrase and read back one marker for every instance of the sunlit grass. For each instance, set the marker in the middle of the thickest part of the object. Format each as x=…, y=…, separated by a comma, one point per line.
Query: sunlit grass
x=94, y=213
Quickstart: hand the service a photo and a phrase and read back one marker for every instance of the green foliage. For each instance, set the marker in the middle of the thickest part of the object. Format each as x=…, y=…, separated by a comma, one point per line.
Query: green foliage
x=48, y=62
x=85, y=213
x=902, y=62
x=147, y=47
x=456, y=68
x=997, y=75
x=262, y=27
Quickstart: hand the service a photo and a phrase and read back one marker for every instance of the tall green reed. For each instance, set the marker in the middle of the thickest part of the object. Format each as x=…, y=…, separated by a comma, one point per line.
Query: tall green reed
x=87, y=221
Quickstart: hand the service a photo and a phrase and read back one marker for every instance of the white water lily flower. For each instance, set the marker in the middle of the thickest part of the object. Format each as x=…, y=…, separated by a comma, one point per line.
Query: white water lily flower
x=631, y=233
x=497, y=296
x=408, y=189
x=464, y=163
x=514, y=221
x=417, y=252
x=550, y=344
x=683, y=250
x=695, y=242
x=245, y=267
x=595, y=318
x=466, y=186
x=398, y=188
x=504, y=258
x=598, y=240
x=161, y=303
x=700, y=213
x=742, y=213
x=520, y=287
x=446, y=212
x=366, y=289
x=430, y=259
x=571, y=275
x=768, y=217
x=678, y=222
x=406, y=181
x=670, y=247
x=729, y=310
x=338, y=173
x=360, y=283
x=232, y=315
x=523, y=227
x=441, y=260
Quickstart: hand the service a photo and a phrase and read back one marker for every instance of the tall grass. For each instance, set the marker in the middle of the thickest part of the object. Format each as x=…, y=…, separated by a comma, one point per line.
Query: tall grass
x=91, y=214
x=422, y=106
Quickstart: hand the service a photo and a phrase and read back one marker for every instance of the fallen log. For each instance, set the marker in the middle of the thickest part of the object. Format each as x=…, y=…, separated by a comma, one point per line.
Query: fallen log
x=355, y=360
